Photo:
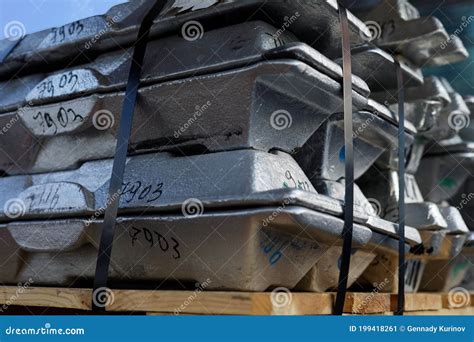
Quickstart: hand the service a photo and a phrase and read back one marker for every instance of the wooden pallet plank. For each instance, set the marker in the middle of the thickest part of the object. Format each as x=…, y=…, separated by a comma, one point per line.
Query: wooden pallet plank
x=227, y=303
x=79, y=299
x=456, y=303
x=419, y=301
x=220, y=303
x=367, y=303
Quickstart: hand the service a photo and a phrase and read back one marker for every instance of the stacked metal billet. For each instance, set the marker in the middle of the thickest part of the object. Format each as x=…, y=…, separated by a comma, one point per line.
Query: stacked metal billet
x=210, y=190
x=235, y=169
x=429, y=106
x=445, y=173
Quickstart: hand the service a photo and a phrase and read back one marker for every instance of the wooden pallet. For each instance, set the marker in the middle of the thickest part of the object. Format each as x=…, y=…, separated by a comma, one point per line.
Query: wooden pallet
x=229, y=303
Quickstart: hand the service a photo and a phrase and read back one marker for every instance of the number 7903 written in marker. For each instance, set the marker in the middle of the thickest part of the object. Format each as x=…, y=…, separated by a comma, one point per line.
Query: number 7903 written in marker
x=154, y=239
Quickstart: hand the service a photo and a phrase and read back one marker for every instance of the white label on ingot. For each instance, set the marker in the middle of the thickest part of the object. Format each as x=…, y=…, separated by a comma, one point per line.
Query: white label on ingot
x=68, y=82
x=55, y=198
x=58, y=118
x=65, y=33
x=193, y=5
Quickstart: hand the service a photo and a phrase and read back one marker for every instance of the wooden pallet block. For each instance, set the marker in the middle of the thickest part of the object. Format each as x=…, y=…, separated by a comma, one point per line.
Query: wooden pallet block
x=447, y=303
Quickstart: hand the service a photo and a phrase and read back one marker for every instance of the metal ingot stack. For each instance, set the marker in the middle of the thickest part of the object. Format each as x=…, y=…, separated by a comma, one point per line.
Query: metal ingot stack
x=428, y=109
x=235, y=169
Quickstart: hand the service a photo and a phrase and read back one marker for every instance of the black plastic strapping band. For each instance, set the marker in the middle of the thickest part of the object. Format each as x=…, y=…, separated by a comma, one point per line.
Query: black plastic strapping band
x=126, y=119
x=401, y=192
x=349, y=165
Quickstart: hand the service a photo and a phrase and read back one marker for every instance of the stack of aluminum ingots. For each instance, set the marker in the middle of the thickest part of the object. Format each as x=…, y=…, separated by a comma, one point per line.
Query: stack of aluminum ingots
x=235, y=171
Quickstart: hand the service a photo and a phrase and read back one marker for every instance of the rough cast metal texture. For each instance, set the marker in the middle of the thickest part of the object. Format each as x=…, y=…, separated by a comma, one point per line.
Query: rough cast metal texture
x=422, y=40
x=152, y=180
x=227, y=179
x=252, y=255
x=323, y=155
x=196, y=112
x=379, y=70
x=314, y=22
x=442, y=173
x=423, y=104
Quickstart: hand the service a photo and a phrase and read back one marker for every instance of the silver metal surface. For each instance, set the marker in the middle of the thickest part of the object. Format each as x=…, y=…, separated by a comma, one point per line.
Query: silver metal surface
x=314, y=22
x=419, y=214
x=423, y=105
x=231, y=249
x=401, y=30
x=323, y=155
x=378, y=69
x=442, y=175
x=286, y=101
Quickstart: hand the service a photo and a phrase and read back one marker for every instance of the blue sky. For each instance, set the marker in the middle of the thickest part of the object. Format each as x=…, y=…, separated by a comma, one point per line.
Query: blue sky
x=37, y=15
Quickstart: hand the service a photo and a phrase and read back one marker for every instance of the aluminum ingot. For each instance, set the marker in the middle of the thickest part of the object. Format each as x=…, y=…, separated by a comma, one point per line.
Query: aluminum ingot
x=323, y=155
x=379, y=70
x=399, y=28
x=444, y=170
x=229, y=249
x=313, y=23
x=212, y=118
x=423, y=104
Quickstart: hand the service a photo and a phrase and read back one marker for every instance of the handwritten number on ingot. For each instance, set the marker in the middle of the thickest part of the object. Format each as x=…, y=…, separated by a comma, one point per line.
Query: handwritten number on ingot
x=51, y=121
x=59, y=34
x=67, y=80
x=49, y=197
x=130, y=190
x=155, y=239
